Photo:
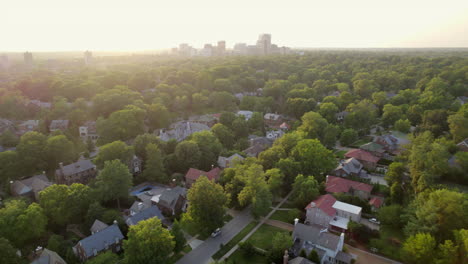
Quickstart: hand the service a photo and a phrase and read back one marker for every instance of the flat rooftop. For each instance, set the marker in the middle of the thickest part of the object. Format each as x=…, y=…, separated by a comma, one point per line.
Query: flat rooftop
x=347, y=207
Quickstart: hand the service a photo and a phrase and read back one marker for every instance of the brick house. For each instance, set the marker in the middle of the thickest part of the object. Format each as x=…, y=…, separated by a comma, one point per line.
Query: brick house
x=78, y=172
x=368, y=160
x=193, y=174
x=354, y=188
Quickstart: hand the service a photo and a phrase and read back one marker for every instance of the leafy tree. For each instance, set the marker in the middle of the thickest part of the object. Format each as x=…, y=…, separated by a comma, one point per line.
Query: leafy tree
x=256, y=190
x=348, y=136
x=328, y=111
x=256, y=122
x=395, y=173
x=314, y=158
x=458, y=124
x=9, y=167
x=8, y=139
x=240, y=127
x=275, y=181
x=391, y=114
x=116, y=150
x=141, y=142
x=313, y=256
x=188, y=155
x=280, y=242
x=224, y=135
x=15, y=222
x=313, y=125
x=222, y=101
x=435, y=121
x=227, y=118
x=179, y=238
x=209, y=147
x=297, y=107
x=112, y=100
x=390, y=215
x=206, y=201
x=123, y=125
x=437, y=213
x=361, y=115
x=31, y=151
x=59, y=149
x=154, y=170
x=8, y=253
x=289, y=141
x=403, y=125
x=104, y=258
x=158, y=116
x=114, y=181
x=419, y=248
x=144, y=238
x=305, y=190
x=271, y=156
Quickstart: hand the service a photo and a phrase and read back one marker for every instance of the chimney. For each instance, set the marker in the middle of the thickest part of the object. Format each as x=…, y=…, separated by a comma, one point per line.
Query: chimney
x=140, y=206
x=286, y=257
x=296, y=220
x=61, y=165
x=326, y=179
x=115, y=222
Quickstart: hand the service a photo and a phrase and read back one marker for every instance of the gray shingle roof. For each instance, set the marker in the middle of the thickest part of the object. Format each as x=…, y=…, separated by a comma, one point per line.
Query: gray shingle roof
x=98, y=226
x=300, y=260
x=35, y=184
x=100, y=240
x=77, y=167
x=313, y=234
x=48, y=257
x=147, y=213
x=169, y=197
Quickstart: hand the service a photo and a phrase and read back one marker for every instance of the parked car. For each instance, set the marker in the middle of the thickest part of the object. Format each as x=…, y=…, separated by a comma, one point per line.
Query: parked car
x=216, y=233
x=374, y=220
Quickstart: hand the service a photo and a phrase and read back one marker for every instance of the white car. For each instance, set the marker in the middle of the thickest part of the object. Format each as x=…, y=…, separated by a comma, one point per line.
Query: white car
x=216, y=233
x=374, y=220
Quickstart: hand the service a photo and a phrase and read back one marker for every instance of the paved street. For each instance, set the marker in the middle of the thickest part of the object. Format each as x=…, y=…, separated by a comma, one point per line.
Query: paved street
x=202, y=254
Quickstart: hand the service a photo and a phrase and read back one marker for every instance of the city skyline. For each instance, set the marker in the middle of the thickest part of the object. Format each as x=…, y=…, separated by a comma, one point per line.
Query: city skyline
x=53, y=25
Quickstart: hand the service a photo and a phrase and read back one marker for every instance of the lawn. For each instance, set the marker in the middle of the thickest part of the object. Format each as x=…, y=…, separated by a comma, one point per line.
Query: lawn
x=264, y=235
x=288, y=204
x=340, y=154
x=240, y=258
x=235, y=240
x=187, y=249
x=361, y=141
x=283, y=216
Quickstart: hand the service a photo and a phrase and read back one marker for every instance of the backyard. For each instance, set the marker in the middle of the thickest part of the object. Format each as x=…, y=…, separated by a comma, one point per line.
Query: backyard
x=264, y=236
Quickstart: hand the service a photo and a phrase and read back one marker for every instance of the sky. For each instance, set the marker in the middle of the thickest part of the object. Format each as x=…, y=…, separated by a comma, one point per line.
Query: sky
x=133, y=25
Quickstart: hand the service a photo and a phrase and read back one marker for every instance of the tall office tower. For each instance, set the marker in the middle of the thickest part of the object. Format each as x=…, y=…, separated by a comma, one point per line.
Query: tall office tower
x=4, y=62
x=88, y=57
x=28, y=58
x=207, y=50
x=264, y=44
x=184, y=49
x=240, y=49
x=221, y=47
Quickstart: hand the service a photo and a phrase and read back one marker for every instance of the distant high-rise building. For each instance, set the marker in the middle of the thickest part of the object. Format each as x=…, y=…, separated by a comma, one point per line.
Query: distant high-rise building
x=221, y=47
x=28, y=58
x=185, y=49
x=4, y=62
x=264, y=44
x=240, y=48
x=207, y=50
x=88, y=57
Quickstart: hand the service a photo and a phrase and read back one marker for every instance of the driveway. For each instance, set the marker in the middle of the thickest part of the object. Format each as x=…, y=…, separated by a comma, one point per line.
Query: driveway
x=203, y=252
x=369, y=224
x=364, y=257
x=378, y=178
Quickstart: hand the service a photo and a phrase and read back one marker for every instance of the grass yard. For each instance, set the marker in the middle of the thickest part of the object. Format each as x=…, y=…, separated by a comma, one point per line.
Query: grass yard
x=240, y=258
x=340, y=154
x=361, y=141
x=264, y=236
x=234, y=240
x=288, y=204
x=283, y=216
x=187, y=249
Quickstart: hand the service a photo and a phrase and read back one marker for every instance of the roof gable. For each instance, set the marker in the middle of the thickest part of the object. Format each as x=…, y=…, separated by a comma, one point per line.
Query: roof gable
x=341, y=185
x=324, y=203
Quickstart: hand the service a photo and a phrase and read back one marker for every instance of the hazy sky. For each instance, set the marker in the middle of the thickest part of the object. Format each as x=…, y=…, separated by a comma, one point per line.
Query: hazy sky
x=48, y=25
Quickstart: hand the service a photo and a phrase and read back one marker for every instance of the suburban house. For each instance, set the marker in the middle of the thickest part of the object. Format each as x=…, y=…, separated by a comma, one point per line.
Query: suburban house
x=171, y=201
x=140, y=211
x=389, y=142
x=463, y=146
x=30, y=187
x=285, y=126
x=257, y=145
x=374, y=148
x=88, y=131
x=45, y=256
x=272, y=120
x=38, y=105
x=181, y=130
x=329, y=247
x=376, y=202
x=136, y=165
x=328, y=212
x=349, y=167
x=58, y=125
x=254, y=150
x=228, y=162
x=339, y=185
x=98, y=226
x=296, y=260
x=5, y=125
x=193, y=174
x=341, y=115
x=78, y=172
x=246, y=114
x=274, y=134
x=368, y=160
x=108, y=238
x=27, y=126
x=209, y=120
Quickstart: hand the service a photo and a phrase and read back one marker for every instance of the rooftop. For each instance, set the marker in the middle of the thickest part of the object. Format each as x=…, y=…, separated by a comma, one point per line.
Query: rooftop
x=347, y=207
x=360, y=154
x=194, y=174
x=77, y=167
x=325, y=203
x=101, y=240
x=341, y=185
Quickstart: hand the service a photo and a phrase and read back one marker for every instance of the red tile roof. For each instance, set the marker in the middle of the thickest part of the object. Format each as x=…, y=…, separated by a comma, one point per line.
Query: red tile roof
x=341, y=185
x=194, y=174
x=376, y=202
x=325, y=203
x=360, y=154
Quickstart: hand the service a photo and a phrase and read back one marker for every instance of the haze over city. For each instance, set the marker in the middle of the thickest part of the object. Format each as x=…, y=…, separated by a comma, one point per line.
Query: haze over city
x=53, y=25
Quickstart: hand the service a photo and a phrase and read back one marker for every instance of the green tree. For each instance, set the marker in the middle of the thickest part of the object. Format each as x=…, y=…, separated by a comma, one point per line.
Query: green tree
x=458, y=124
x=275, y=181
x=178, y=234
x=313, y=256
x=31, y=151
x=8, y=139
x=271, y=156
x=280, y=243
x=255, y=191
x=403, y=125
x=305, y=190
x=158, y=116
x=112, y=151
x=328, y=111
x=114, y=181
x=313, y=125
x=207, y=202
x=141, y=141
x=144, y=238
x=59, y=149
x=390, y=215
x=313, y=157
x=9, y=167
x=8, y=253
x=419, y=248
x=154, y=169
x=224, y=135
x=188, y=155
x=227, y=118
x=123, y=125
x=209, y=147
x=391, y=114
x=348, y=136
